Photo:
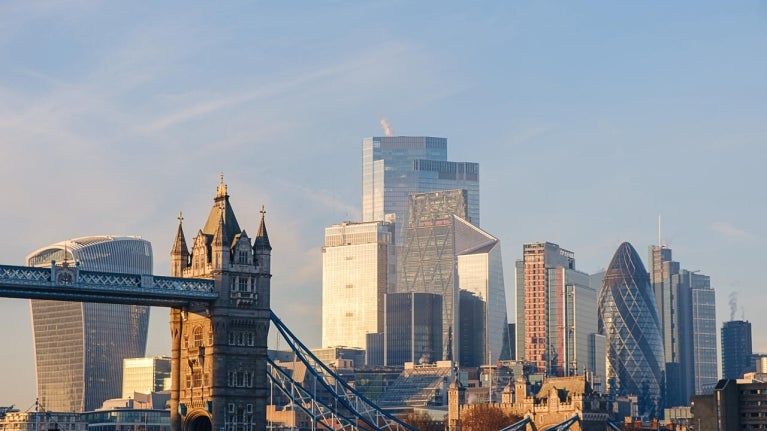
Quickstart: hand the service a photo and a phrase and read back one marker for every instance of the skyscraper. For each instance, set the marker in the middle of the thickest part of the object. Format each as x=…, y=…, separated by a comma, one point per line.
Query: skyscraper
x=628, y=317
x=443, y=254
x=556, y=311
x=687, y=314
x=704, y=334
x=413, y=328
x=737, y=356
x=79, y=347
x=145, y=375
x=357, y=270
x=393, y=167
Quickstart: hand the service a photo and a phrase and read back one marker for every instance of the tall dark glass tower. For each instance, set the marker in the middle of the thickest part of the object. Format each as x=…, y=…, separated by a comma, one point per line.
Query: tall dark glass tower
x=736, y=349
x=80, y=347
x=628, y=317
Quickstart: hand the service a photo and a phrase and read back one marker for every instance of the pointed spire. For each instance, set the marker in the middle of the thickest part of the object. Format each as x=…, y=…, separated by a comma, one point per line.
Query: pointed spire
x=221, y=191
x=262, y=238
x=218, y=237
x=179, y=245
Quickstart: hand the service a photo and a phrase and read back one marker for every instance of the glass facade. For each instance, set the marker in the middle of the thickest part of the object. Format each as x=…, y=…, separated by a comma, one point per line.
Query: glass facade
x=145, y=375
x=736, y=349
x=687, y=314
x=393, y=167
x=572, y=319
x=704, y=334
x=628, y=318
x=445, y=253
x=357, y=271
x=79, y=347
x=413, y=328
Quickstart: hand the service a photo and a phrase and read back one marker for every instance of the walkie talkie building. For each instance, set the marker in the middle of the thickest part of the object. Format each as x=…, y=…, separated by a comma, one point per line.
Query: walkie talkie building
x=79, y=347
x=628, y=318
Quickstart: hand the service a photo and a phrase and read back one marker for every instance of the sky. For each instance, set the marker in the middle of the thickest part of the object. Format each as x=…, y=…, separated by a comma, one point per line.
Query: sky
x=588, y=120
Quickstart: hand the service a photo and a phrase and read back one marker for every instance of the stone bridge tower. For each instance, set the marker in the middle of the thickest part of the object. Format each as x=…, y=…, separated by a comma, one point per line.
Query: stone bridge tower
x=219, y=350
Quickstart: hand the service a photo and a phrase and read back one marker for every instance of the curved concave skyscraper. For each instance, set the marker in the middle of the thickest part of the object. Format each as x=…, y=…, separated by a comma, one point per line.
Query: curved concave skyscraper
x=80, y=346
x=628, y=318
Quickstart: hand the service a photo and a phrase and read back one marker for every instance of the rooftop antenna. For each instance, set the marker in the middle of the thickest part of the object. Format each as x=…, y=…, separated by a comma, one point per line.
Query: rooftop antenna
x=660, y=244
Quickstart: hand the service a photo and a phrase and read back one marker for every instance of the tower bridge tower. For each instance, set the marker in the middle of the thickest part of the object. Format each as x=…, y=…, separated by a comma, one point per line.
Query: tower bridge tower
x=229, y=392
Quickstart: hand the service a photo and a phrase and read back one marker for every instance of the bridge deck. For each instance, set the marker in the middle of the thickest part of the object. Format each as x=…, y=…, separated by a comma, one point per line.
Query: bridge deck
x=64, y=283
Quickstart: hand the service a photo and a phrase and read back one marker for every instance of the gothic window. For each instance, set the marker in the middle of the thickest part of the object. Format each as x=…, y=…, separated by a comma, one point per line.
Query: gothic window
x=242, y=257
x=196, y=378
x=250, y=339
x=197, y=336
x=231, y=339
x=244, y=284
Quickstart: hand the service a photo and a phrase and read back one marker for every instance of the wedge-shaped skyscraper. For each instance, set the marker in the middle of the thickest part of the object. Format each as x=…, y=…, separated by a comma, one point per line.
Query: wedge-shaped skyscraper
x=446, y=254
x=628, y=317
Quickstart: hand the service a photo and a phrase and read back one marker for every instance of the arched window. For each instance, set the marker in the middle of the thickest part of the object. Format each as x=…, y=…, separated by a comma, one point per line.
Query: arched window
x=197, y=336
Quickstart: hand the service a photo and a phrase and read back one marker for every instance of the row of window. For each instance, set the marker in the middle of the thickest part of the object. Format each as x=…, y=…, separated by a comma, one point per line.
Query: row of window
x=242, y=339
x=240, y=379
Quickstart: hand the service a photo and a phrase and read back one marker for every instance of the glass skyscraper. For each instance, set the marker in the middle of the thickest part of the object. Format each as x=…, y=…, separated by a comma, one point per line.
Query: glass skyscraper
x=413, y=328
x=687, y=314
x=628, y=317
x=704, y=334
x=737, y=356
x=443, y=254
x=393, y=167
x=145, y=375
x=357, y=270
x=80, y=347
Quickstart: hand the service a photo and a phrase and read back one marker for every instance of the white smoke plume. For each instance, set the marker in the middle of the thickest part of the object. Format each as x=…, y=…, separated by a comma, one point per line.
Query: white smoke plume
x=386, y=127
x=733, y=305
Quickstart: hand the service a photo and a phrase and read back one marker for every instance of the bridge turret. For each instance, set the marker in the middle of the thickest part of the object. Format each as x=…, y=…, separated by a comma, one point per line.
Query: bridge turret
x=179, y=254
x=220, y=247
x=219, y=353
x=262, y=249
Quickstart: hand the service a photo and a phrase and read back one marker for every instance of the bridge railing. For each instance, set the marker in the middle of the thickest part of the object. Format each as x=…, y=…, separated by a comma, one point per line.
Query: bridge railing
x=74, y=284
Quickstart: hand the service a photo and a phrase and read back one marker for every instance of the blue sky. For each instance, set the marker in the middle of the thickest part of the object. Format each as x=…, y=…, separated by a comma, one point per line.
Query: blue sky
x=588, y=120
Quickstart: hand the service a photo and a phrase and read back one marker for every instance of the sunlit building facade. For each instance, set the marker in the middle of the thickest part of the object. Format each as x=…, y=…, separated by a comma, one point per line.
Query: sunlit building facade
x=393, y=167
x=556, y=312
x=357, y=272
x=145, y=375
x=80, y=347
x=628, y=318
x=445, y=253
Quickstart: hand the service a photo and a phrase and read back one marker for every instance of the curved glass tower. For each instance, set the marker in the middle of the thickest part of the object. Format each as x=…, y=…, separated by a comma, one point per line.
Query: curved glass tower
x=79, y=347
x=628, y=318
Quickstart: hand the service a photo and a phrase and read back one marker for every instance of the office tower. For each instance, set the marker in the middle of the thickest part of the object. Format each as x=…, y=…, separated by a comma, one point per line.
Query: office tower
x=393, y=167
x=357, y=271
x=145, y=375
x=704, y=334
x=443, y=254
x=80, y=347
x=628, y=318
x=413, y=328
x=687, y=314
x=736, y=349
x=556, y=311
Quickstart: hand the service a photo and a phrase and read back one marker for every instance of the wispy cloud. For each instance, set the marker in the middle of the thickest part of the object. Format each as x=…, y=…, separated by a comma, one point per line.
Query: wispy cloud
x=727, y=230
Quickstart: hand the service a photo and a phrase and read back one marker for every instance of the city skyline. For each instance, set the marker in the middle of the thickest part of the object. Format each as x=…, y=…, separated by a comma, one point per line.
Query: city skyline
x=618, y=112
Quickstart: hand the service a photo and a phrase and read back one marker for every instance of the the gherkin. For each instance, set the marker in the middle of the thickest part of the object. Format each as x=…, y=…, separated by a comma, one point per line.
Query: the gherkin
x=628, y=318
